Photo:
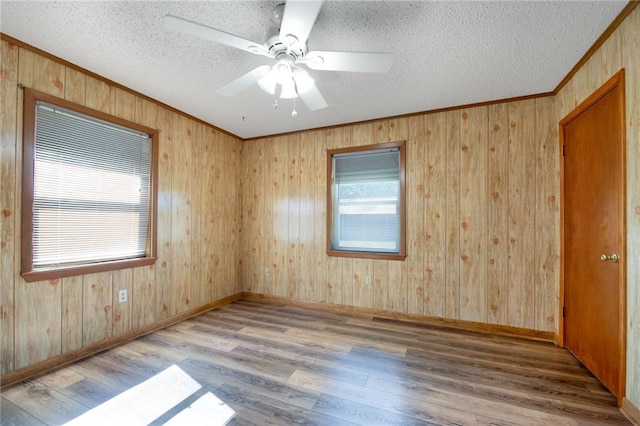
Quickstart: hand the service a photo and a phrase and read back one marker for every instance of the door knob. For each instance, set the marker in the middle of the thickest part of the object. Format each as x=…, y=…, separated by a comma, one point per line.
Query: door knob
x=612, y=257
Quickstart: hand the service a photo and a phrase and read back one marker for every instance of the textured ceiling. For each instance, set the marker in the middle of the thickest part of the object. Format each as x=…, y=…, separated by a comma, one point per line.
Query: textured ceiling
x=445, y=53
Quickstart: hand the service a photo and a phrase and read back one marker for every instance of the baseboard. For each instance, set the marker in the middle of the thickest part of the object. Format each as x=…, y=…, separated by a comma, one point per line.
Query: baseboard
x=70, y=357
x=631, y=411
x=501, y=330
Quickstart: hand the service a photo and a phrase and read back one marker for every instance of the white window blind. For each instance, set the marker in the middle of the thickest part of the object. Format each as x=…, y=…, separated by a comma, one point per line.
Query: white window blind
x=366, y=201
x=91, y=190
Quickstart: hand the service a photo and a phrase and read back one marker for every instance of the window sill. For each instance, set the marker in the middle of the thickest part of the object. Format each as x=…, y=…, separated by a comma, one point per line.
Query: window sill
x=366, y=255
x=52, y=274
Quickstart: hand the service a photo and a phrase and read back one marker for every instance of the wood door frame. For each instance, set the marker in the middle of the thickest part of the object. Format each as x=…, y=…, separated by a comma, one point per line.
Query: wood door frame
x=618, y=80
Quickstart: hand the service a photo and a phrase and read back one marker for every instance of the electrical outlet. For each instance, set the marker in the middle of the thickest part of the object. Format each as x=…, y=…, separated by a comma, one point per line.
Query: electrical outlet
x=367, y=280
x=267, y=272
x=122, y=296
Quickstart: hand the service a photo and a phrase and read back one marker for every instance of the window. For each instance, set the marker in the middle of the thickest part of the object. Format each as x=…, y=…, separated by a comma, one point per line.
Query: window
x=365, y=197
x=89, y=182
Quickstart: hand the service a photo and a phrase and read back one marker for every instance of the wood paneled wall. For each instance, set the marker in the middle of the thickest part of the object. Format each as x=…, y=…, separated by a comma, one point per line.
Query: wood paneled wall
x=482, y=217
x=620, y=50
x=198, y=224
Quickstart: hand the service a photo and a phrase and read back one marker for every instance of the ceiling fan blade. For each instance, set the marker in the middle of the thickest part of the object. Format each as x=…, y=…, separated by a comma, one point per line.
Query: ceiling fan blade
x=207, y=33
x=298, y=19
x=238, y=85
x=312, y=98
x=349, y=61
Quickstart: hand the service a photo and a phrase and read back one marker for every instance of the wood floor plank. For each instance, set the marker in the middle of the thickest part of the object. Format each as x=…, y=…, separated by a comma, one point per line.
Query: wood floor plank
x=12, y=415
x=278, y=364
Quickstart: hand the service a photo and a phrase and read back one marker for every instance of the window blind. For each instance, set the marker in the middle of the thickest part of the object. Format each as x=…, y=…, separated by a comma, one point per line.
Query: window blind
x=91, y=190
x=366, y=201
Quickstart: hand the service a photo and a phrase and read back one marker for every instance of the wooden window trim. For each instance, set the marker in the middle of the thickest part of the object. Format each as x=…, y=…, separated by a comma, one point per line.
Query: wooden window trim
x=31, y=97
x=402, y=254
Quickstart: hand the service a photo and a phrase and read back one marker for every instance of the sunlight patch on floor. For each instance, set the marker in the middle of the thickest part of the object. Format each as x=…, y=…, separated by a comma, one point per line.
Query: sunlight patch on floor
x=149, y=400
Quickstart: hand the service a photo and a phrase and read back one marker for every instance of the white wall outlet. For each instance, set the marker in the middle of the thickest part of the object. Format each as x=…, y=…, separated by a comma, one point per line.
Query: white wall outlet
x=122, y=296
x=367, y=280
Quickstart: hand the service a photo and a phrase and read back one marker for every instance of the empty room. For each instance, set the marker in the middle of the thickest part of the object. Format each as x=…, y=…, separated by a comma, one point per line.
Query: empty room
x=320, y=212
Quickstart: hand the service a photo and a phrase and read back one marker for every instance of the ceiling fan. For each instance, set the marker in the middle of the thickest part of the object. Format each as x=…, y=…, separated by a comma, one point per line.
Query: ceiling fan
x=286, y=44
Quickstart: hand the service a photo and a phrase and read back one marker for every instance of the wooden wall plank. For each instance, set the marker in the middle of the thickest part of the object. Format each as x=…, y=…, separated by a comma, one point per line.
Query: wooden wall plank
x=269, y=187
x=521, y=214
x=125, y=105
x=38, y=326
x=141, y=296
x=9, y=201
x=280, y=161
x=435, y=168
x=261, y=194
x=252, y=221
x=306, y=224
x=547, y=211
x=196, y=220
x=498, y=214
x=208, y=236
x=97, y=312
x=72, y=297
x=100, y=96
x=162, y=292
x=292, y=257
x=74, y=86
x=611, y=58
x=321, y=276
x=181, y=216
x=42, y=74
x=452, y=214
x=473, y=214
x=416, y=188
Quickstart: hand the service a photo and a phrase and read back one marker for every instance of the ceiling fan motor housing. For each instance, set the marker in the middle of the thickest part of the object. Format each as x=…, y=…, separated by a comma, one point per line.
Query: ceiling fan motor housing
x=276, y=46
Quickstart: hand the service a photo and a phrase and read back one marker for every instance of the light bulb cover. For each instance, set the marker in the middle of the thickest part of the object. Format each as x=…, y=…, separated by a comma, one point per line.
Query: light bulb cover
x=303, y=80
x=268, y=83
x=289, y=90
x=282, y=71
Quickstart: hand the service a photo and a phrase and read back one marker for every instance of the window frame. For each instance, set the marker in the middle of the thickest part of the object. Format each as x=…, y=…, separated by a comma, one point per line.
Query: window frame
x=31, y=97
x=402, y=253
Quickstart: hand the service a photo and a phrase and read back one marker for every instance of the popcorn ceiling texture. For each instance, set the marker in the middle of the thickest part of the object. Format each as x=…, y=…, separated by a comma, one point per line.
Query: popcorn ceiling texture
x=445, y=53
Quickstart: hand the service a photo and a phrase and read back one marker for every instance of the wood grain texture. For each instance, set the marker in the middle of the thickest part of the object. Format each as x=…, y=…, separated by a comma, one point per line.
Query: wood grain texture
x=335, y=275
x=522, y=214
x=451, y=190
x=415, y=193
x=162, y=288
x=497, y=214
x=472, y=217
x=45, y=320
x=9, y=202
x=473, y=214
x=548, y=212
x=435, y=224
x=285, y=364
x=630, y=36
x=620, y=50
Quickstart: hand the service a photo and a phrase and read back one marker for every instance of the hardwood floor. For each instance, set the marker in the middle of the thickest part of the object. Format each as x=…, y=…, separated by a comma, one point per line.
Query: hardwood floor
x=282, y=364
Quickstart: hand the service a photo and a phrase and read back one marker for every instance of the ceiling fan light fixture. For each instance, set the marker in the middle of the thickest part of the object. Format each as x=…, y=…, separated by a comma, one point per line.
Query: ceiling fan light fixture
x=282, y=71
x=303, y=80
x=268, y=83
x=289, y=90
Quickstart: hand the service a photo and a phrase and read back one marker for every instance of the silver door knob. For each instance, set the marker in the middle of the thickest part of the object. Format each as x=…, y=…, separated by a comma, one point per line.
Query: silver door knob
x=612, y=257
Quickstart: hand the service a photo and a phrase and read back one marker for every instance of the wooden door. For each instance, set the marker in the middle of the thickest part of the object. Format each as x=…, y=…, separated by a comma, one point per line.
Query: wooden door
x=594, y=234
